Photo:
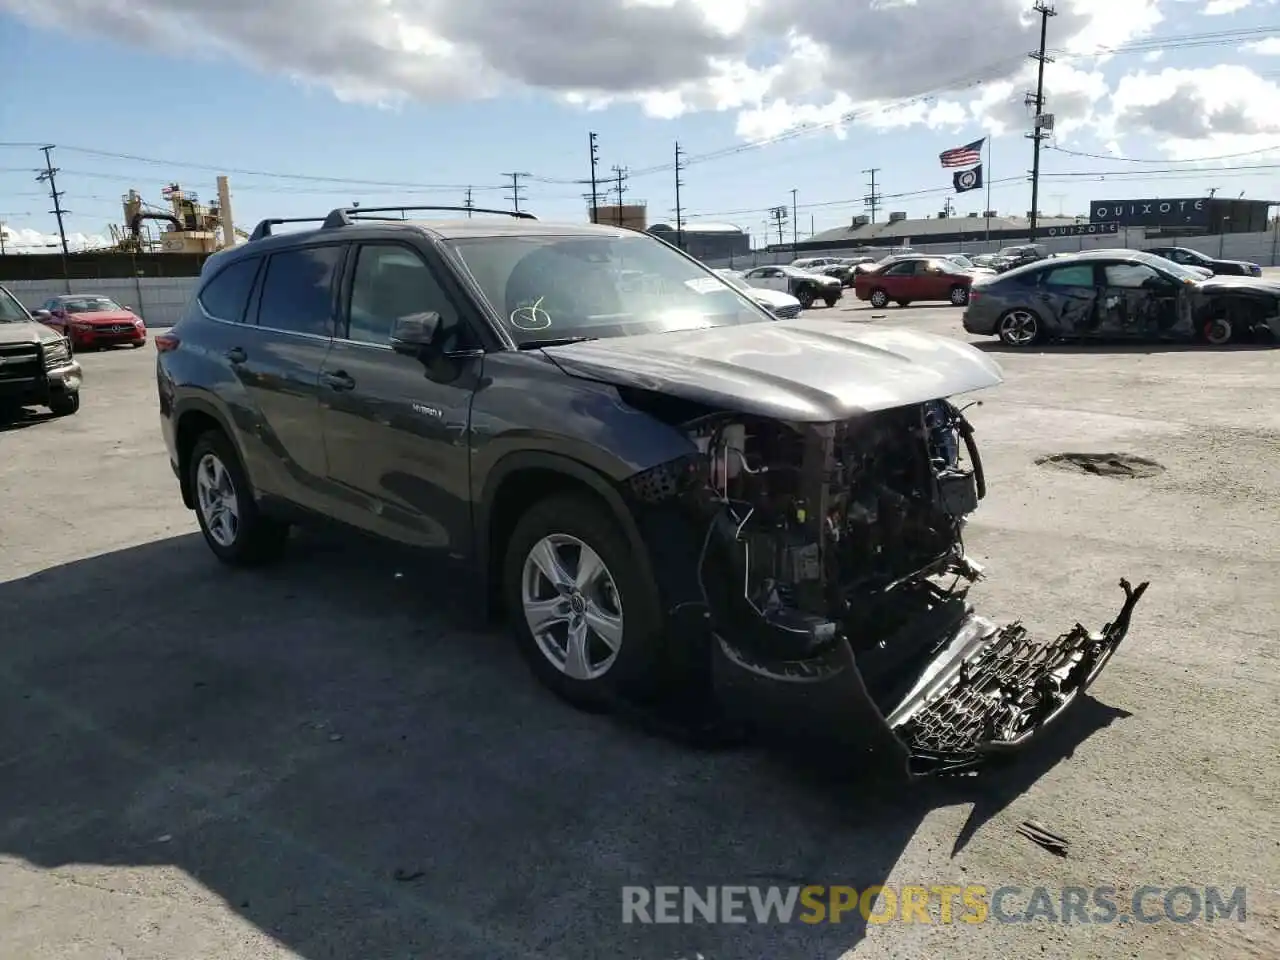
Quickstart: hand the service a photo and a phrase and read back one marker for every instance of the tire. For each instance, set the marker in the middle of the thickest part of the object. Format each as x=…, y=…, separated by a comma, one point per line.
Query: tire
x=831, y=301
x=251, y=538
x=1217, y=332
x=806, y=298
x=879, y=298
x=629, y=667
x=1020, y=328
x=904, y=303
x=65, y=404
x=959, y=295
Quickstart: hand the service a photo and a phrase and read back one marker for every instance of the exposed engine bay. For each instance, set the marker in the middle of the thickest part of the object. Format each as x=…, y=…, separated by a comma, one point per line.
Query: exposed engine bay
x=833, y=571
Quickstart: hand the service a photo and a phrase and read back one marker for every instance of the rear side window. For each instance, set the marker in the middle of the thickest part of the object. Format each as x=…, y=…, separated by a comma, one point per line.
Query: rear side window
x=227, y=294
x=297, y=294
x=1080, y=275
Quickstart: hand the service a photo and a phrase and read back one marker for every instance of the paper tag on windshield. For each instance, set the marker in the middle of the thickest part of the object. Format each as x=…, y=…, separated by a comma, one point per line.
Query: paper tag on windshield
x=704, y=285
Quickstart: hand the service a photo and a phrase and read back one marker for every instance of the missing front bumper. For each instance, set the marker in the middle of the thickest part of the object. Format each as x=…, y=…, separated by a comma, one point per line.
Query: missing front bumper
x=984, y=691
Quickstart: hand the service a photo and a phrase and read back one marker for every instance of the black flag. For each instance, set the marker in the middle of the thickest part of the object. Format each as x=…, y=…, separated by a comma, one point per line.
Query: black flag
x=966, y=180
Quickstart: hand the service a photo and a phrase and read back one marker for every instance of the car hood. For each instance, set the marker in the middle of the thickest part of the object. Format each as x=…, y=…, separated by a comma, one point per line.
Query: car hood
x=1230, y=284
x=32, y=332
x=1217, y=262
x=815, y=371
x=773, y=298
x=102, y=317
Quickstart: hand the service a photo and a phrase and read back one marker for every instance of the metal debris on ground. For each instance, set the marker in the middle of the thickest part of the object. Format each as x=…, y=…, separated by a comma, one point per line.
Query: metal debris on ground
x=1122, y=465
x=1039, y=834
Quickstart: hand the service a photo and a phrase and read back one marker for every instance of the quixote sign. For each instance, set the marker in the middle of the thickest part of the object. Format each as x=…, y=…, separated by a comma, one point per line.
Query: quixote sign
x=1081, y=229
x=1151, y=213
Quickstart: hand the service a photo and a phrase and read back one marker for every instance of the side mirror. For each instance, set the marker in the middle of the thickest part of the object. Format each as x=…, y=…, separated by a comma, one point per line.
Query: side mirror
x=41, y=315
x=414, y=335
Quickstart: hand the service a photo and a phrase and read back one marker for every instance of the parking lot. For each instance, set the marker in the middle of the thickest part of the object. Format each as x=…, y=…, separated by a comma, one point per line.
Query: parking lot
x=330, y=759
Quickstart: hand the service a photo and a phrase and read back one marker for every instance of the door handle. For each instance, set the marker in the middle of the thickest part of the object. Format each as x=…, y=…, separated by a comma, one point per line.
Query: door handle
x=338, y=380
x=237, y=355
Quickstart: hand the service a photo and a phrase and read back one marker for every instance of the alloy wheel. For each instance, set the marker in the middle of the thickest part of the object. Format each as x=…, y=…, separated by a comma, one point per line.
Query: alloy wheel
x=571, y=606
x=217, y=500
x=1019, y=328
x=879, y=299
x=959, y=296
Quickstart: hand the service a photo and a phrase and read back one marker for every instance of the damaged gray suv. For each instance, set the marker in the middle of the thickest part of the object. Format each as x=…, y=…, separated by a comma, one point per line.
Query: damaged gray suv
x=670, y=494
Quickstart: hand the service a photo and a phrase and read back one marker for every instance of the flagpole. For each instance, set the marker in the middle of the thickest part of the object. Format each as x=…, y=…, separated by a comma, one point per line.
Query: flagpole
x=988, y=176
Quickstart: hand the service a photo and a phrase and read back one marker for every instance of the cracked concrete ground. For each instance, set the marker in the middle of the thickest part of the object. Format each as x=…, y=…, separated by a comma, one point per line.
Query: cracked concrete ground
x=197, y=763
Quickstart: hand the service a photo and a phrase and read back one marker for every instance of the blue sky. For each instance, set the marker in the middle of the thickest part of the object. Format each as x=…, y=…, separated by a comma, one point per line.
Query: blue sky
x=1176, y=81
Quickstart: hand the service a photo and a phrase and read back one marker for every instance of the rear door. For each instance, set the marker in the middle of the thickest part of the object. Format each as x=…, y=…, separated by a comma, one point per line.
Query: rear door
x=396, y=427
x=277, y=357
x=1067, y=300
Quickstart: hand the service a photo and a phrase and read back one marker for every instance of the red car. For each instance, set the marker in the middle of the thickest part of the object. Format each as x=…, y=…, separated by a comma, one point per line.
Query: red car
x=92, y=321
x=909, y=279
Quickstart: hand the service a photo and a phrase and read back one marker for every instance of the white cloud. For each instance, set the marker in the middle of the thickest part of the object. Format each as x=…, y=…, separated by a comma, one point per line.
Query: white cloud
x=1268, y=47
x=26, y=240
x=1218, y=8
x=777, y=61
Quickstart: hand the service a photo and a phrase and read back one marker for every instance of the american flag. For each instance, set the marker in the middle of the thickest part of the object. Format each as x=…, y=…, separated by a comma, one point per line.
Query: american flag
x=965, y=156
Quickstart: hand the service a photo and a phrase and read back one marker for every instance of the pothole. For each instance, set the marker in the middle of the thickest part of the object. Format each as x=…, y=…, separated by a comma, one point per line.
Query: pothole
x=1124, y=465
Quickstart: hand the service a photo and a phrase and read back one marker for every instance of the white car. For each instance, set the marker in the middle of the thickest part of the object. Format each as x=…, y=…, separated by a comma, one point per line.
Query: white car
x=804, y=286
x=781, y=305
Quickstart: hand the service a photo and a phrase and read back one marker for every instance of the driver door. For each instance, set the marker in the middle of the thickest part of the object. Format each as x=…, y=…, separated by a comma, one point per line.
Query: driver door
x=1138, y=301
x=771, y=278
x=898, y=279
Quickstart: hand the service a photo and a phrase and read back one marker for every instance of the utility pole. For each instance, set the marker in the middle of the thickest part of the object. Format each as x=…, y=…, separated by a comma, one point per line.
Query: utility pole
x=1037, y=135
x=872, y=199
x=514, y=196
x=469, y=204
x=595, y=194
x=50, y=175
x=795, y=226
x=619, y=187
x=779, y=217
x=679, y=209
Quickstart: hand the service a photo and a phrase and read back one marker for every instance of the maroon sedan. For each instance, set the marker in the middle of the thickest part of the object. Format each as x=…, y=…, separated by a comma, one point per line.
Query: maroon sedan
x=92, y=321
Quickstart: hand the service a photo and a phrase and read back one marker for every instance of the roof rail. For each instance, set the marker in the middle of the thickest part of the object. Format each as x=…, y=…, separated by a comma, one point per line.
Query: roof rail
x=263, y=229
x=345, y=216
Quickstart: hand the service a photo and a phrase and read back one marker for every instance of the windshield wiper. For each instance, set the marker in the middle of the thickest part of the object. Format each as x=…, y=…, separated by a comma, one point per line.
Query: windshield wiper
x=551, y=342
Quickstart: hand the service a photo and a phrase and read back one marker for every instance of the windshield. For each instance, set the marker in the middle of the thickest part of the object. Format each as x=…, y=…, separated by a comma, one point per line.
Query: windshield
x=1170, y=267
x=90, y=305
x=1010, y=252
x=737, y=279
x=960, y=259
x=10, y=309
x=593, y=286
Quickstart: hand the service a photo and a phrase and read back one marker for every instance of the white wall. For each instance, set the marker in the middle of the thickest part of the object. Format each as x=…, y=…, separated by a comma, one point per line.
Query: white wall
x=1260, y=248
x=158, y=300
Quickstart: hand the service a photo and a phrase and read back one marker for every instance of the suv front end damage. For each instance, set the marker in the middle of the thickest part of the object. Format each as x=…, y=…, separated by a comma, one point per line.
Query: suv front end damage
x=832, y=575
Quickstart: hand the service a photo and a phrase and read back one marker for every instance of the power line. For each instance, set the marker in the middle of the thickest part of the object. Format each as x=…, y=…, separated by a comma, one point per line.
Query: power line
x=1224, y=156
x=1037, y=134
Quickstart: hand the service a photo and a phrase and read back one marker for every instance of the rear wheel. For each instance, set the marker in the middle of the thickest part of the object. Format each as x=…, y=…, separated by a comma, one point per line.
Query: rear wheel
x=831, y=301
x=237, y=532
x=1020, y=328
x=959, y=295
x=1217, y=332
x=585, y=617
x=904, y=303
x=879, y=298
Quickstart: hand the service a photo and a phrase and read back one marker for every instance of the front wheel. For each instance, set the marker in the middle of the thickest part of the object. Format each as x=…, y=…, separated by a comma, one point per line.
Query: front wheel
x=65, y=404
x=879, y=299
x=1020, y=328
x=1217, y=332
x=237, y=532
x=959, y=295
x=831, y=301
x=805, y=296
x=584, y=615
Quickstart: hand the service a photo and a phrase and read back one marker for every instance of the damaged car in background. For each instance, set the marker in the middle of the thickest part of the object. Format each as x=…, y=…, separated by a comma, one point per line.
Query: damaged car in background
x=1118, y=295
x=675, y=500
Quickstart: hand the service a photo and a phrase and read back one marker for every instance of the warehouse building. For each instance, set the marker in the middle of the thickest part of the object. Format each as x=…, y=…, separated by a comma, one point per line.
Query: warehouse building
x=707, y=241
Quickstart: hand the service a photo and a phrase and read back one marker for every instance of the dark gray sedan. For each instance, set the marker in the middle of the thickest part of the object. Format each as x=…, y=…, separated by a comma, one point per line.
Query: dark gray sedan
x=1112, y=294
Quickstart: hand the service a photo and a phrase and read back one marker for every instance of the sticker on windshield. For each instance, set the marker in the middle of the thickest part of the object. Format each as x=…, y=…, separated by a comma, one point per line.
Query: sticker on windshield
x=530, y=317
x=704, y=285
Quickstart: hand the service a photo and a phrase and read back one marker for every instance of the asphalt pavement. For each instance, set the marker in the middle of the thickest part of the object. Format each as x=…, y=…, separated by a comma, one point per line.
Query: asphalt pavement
x=332, y=759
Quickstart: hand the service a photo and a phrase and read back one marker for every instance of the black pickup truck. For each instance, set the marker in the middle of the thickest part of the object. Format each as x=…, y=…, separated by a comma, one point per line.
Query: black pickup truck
x=36, y=365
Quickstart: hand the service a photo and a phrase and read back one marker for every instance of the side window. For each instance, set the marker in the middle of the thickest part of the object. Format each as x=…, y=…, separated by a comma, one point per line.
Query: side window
x=297, y=294
x=903, y=269
x=1130, y=275
x=227, y=294
x=390, y=282
x=1080, y=275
